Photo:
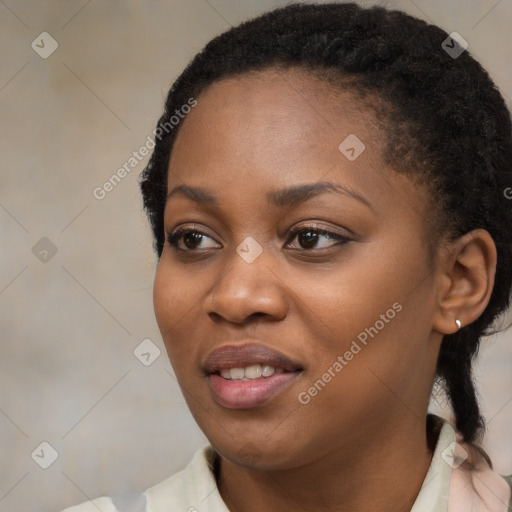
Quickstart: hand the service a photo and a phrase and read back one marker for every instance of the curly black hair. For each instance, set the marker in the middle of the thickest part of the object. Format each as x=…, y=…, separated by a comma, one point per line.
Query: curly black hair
x=446, y=125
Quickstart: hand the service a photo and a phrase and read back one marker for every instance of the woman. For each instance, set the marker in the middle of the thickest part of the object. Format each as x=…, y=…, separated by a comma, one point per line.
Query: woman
x=330, y=213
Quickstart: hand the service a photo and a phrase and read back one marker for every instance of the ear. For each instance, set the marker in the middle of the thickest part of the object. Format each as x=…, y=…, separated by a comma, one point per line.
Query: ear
x=467, y=269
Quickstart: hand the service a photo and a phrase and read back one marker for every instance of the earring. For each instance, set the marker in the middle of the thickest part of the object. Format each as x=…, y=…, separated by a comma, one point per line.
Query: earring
x=458, y=324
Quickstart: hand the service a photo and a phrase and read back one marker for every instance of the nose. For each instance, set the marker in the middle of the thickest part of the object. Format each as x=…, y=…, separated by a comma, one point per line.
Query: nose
x=247, y=290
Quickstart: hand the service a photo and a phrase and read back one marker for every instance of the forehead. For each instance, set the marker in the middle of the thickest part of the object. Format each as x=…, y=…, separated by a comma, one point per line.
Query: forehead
x=290, y=96
x=278, y=117
x=267, y=129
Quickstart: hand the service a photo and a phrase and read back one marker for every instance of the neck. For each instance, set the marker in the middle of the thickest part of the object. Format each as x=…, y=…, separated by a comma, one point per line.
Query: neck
x=384, y=474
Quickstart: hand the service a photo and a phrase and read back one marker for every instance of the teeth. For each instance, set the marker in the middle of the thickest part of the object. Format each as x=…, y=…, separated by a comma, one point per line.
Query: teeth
x=237, y=373
x=226, y=374
x=267, y=371
x=255, y=371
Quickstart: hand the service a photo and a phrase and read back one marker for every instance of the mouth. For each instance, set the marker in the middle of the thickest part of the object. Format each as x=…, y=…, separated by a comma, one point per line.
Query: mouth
x=248, y=393
x=249, y=375
x=252, y=372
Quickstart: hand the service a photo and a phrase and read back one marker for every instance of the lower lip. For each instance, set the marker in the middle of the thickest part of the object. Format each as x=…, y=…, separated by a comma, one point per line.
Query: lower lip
x=240, y=394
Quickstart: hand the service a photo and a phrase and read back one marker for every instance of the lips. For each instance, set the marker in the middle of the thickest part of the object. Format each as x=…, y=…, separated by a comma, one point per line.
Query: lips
x=241, y=356
x=248, y=393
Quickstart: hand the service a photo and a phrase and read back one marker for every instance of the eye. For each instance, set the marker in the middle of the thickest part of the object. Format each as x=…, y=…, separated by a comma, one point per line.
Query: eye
x=308, y=237
x=192, y=238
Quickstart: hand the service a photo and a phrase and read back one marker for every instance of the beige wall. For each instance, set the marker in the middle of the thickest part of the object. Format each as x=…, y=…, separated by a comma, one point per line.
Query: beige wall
x=68, y=374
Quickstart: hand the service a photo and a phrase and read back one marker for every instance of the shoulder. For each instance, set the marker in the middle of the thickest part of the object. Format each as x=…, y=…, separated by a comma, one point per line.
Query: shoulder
x=479, y=490
x=182, y=489
x=464, y=476
x=475, y=485
x=193, y=488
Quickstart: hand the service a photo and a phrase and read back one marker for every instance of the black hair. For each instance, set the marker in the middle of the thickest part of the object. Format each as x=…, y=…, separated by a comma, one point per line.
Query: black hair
x=446, y=125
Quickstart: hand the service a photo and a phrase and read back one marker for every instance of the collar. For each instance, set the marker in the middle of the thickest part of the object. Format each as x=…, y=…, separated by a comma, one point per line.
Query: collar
x=434, y=492
x=459, y=480
x=449, y=485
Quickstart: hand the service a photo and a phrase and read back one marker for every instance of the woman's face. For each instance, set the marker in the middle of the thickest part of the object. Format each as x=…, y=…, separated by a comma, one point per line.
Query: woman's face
x=350, y=310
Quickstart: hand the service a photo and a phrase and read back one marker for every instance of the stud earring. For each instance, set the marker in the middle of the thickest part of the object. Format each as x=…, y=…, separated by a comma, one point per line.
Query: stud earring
x=458, y=324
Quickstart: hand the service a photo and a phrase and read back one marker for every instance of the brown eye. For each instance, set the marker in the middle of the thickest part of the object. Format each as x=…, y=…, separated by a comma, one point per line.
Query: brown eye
x=308, y=237
x=191, y=238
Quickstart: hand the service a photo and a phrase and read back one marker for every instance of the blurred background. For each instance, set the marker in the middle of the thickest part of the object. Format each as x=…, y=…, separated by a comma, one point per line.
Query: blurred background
x=89, y=404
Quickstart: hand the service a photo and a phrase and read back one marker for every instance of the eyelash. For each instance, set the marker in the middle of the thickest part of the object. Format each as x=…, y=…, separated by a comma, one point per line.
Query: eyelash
x=176, y=236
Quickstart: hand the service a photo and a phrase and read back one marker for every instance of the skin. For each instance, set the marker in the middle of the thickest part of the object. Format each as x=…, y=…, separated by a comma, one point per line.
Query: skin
x=262, y=132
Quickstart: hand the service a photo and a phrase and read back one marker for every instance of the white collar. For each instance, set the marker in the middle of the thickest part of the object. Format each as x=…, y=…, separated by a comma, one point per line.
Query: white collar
x=433, y=495
x=447, y=487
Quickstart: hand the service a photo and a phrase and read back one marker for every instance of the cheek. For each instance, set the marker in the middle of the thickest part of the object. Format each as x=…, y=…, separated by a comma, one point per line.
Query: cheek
x=380, y=326
x=163, y=291
x=174, y=297
x=367, y=311
x=178, y=297
x=349, y=299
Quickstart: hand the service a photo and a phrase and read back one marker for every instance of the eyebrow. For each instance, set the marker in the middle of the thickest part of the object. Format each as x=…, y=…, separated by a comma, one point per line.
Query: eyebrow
x=287, y=197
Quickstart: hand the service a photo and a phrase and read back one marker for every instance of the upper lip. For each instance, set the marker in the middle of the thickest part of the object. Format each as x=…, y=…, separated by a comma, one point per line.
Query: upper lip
x=241, y=355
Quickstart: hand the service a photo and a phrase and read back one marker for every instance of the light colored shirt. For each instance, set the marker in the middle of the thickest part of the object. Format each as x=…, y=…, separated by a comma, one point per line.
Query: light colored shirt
x=448, y=486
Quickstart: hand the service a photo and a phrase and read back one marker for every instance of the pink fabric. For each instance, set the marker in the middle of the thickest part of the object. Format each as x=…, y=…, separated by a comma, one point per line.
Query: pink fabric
x=474, y=486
